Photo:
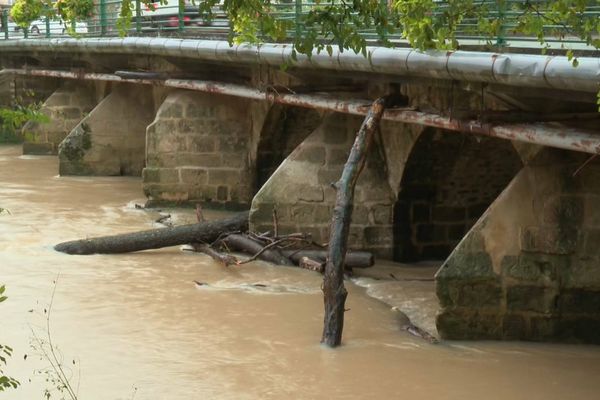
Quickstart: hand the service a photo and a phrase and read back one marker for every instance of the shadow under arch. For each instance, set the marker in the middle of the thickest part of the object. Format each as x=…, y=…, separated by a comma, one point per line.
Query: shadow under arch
x=449, y=180
x=283, y=130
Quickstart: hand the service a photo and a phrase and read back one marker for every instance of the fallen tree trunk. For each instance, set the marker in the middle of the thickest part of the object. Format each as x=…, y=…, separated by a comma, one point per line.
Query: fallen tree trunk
x=333, y=281
x=156, y=238
x=247, y=245
x=353, y=259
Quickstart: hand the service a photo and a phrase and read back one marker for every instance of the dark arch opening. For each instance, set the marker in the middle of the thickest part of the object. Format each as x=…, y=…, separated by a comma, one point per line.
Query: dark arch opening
x=284, y=129
x=449, y=180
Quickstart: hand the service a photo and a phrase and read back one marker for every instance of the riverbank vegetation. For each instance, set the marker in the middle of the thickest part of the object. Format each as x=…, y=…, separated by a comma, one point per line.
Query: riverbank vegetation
x=13, y=119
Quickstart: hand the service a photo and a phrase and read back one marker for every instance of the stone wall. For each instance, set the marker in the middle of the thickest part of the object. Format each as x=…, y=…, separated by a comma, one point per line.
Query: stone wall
x=111, y=139
x=530, y=267
x=449, y=181
x=301, y=190
x=198, y=151
x=65, y=108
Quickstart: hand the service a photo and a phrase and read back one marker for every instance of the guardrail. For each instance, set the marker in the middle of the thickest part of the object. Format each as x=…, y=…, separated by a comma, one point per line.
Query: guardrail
x=182, y=19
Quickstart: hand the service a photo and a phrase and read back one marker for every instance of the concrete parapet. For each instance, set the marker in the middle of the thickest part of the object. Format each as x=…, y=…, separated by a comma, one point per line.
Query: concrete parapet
x=198, y=151
x=65, y=108
x=301, y=190
x=530, y=268
x=111, y=139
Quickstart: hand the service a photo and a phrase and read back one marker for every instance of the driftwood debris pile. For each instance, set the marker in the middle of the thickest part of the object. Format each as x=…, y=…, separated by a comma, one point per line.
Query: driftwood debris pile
x=219, y=239
x=295, y=249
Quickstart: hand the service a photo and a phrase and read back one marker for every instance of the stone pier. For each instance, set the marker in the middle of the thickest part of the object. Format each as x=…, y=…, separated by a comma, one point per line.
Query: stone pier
x=198, y=149
x=111, y=139
x=301, y=188
x=64, y=108
x=529, y=268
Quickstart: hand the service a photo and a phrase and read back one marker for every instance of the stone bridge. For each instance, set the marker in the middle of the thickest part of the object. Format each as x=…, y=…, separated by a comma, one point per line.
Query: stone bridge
x=489, y=165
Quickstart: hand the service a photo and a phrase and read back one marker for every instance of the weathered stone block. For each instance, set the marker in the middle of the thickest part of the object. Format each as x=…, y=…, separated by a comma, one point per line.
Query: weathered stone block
x=71, y=113
x=323, y=213
x=194, y=176
x=514, y=327
x=160, y=175
x=222, y=193
x=185, y=126
x=592, y=242
x=335, y=136
x=262, y=212
x=233, y=144
x=329, y=176
x=164, y=128
x=458, y=324
x=458, y=293
x=581, y=273
x=312, y=154
x=357, y=236
x=174, y=193
x=564, y=210
x=592, y=211
x=201, y=144
x=541, y=269
x=468, y=266
x=550, y=239
x=310, y=193
x=382, y=214
x=208, y=160
x=360, y=215
x=302, y=212
x=224, y=176
x=200, y=111
x=378, y=235
x=171, y=110
x=205, y=193
x=582, y=329
x=532, y=298
x=543, y=328
x=370, y=192
x=337, y=157
x=580, y=301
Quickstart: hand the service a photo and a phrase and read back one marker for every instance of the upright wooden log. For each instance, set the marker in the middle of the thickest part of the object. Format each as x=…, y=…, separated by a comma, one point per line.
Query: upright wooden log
x=333, y=282
x=156, y=238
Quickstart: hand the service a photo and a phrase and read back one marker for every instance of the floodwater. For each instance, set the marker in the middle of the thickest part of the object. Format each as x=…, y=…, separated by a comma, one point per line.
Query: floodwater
x=137, y=327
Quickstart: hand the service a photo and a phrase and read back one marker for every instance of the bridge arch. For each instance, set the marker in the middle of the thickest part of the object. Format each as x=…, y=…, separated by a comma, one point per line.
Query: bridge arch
x=448, y=182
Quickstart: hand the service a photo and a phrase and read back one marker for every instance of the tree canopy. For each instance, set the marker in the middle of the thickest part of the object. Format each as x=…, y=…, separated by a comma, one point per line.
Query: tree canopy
x=426, y=24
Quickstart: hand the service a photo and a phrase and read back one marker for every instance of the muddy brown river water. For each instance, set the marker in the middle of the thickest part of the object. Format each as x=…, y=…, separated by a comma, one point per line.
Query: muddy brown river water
x=138, y=327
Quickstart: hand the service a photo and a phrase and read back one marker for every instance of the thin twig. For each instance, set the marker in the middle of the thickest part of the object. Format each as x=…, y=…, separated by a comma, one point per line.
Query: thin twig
x=267, y=247
x=589, y=160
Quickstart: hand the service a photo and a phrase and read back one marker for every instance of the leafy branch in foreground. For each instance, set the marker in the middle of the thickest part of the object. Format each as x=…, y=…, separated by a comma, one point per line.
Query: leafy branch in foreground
x=6, y=382
x=56, y=373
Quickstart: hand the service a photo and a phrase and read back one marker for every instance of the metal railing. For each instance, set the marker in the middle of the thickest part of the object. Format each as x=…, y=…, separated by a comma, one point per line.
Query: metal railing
x=182, y=19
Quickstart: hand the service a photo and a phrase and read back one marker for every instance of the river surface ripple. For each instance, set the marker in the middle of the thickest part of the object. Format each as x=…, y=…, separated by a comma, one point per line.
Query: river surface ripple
x=138, y=327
